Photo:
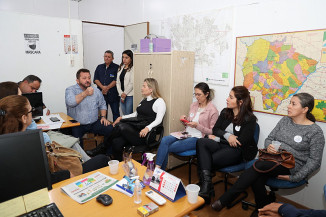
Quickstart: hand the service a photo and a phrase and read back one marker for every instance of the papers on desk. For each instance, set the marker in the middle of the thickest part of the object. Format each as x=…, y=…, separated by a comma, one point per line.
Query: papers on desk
x=89, y=187
x=50, y=125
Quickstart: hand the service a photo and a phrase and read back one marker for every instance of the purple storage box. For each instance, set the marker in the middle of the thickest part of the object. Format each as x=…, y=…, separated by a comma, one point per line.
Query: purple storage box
x=159, y=45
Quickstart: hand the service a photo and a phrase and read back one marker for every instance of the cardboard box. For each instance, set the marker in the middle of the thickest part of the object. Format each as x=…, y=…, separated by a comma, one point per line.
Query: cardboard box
x=159, y=45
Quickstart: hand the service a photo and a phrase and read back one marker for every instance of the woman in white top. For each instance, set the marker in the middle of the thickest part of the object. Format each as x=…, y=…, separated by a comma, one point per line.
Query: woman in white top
x=125, y=82
x=149, y=114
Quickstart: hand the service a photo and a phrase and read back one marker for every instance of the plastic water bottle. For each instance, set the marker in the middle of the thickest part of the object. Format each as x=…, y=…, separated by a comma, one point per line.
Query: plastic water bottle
x=137, y=192
x=150, y=46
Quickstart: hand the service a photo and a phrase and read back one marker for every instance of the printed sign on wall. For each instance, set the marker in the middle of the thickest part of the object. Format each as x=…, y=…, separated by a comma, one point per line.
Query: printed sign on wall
x=32, y=44
x=70, y=44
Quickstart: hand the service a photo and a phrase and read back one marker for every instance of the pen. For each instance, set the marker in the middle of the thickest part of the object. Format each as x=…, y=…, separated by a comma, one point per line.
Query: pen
x=125, y=189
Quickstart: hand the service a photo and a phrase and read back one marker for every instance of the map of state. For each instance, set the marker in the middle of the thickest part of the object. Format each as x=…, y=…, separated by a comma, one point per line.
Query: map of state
x=274, y=67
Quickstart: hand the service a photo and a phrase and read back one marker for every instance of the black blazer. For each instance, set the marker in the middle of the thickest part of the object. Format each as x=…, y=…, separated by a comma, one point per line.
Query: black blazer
x=245, y=134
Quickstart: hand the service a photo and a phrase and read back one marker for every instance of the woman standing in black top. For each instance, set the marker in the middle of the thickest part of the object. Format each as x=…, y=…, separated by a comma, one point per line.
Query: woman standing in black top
x=232, y=140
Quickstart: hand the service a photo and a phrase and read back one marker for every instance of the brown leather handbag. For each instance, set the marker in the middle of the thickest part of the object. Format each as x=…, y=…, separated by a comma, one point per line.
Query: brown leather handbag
x=62, y=158
x=282, y=157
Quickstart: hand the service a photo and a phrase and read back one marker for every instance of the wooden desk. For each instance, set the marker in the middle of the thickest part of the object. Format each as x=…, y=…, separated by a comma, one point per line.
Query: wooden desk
x=122, y=204
x=66, y=118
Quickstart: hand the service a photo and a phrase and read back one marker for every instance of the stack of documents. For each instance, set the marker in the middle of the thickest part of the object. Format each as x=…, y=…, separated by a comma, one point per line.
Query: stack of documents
x=50, y=125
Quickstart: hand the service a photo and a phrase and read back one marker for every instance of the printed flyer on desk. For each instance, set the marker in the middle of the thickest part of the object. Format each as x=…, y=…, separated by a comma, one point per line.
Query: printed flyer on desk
x=89, y=187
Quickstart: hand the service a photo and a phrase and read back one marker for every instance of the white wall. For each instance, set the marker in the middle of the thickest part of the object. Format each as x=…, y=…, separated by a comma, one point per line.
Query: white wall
x=52, y=65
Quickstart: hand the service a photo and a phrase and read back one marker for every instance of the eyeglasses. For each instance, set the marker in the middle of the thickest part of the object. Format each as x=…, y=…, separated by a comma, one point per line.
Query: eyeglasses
x=197, y=94
x=32, y=110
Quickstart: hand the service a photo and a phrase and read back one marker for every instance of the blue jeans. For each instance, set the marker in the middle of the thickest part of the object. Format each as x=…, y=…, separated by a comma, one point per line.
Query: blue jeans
x=95, y=127
x=174, y=145
x=126, y=107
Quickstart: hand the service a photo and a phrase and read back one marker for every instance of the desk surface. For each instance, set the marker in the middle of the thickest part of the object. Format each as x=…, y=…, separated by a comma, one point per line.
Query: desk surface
x=122, y=204
x=66, y=118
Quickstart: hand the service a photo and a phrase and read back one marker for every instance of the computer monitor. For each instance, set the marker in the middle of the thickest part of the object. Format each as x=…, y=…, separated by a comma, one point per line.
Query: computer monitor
x=36, y=101
x=23, y=164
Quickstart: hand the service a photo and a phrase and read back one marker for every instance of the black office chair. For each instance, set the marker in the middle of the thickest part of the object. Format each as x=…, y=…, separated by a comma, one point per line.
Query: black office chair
x=152, y=140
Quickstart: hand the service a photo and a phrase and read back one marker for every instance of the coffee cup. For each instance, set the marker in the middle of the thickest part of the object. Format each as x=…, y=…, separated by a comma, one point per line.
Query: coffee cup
x=276, y=145
x=114, y=166
x=192, y=193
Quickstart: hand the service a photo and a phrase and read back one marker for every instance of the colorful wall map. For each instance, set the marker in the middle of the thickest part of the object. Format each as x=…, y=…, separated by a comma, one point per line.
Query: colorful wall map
x=274, y=67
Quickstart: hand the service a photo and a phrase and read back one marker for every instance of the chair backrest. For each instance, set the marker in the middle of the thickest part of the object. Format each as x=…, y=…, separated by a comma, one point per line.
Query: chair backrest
x=256, y=134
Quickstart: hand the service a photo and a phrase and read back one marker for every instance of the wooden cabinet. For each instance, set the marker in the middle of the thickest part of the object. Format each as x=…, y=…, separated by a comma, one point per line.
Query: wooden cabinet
x=175, y=75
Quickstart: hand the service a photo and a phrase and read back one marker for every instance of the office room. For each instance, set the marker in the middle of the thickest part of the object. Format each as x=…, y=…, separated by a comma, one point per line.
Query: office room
x=52, y=19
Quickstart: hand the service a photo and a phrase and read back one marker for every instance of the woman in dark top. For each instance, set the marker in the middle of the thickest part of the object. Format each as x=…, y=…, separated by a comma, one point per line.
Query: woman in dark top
x=298, y=134
x=125, y=82
x=232, y=140
x=150, y=113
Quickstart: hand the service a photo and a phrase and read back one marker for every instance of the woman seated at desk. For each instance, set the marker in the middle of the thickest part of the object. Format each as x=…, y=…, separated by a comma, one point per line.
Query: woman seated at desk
x=16, y=116
x=149, y=114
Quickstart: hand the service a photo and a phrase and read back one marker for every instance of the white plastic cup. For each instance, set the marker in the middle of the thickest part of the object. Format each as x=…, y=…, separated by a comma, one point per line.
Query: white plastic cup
x=114, y=166
x=276, y=145
x=192, y=193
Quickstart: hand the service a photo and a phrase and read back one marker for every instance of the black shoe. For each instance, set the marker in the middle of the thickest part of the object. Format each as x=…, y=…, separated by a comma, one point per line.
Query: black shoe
x=100, y=149
x=206, y=187
x=254, y=213
x=217, y=206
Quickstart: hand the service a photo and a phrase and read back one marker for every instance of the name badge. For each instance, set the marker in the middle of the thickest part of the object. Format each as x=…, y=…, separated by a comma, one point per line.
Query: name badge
x=191, y=114
x=111, y=75
x=297, y=138
x=237, y=128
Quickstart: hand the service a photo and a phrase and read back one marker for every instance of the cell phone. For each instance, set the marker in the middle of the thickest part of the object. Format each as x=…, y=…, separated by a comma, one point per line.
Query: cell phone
x=54, y=119
x=73, y=121
x=184, y=121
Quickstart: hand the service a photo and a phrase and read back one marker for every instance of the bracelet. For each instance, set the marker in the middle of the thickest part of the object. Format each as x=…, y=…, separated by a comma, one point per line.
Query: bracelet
x=102, y=116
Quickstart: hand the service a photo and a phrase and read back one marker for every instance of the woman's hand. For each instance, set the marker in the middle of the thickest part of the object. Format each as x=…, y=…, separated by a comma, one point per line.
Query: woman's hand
x=233, y=141
x=211, y=137
x=192, y=124
x=116, y=121
x=143, y=132
x=284, y=177
x=123, y=95
x=271, y=149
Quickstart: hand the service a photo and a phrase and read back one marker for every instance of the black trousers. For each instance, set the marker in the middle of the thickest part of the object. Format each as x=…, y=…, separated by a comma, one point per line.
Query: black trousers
x=213, y=155
x=257, y=181
x=126, y=135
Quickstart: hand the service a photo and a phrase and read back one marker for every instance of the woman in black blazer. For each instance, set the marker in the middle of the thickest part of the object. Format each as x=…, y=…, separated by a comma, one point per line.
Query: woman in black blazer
x=232, y=140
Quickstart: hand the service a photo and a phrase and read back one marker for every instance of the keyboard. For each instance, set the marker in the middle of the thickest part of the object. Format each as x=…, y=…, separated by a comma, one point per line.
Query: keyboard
x=50, y=210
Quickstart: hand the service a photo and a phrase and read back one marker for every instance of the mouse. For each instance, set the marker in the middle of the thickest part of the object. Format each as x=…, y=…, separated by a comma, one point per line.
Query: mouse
x=104, y=199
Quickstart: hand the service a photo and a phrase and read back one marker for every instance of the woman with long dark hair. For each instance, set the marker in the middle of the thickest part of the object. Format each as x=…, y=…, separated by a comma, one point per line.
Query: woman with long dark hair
x=125, y=82
x=231, y=142
x=298, y=134
x=202, y=117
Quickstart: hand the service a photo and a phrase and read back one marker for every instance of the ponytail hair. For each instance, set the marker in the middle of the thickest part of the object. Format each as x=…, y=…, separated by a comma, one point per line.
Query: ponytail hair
x=205, y=89
x=12, y=108
x=307, y=100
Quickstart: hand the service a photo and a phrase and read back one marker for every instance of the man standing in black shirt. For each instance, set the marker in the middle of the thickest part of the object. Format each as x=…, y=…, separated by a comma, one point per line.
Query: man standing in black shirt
x=105, y=78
